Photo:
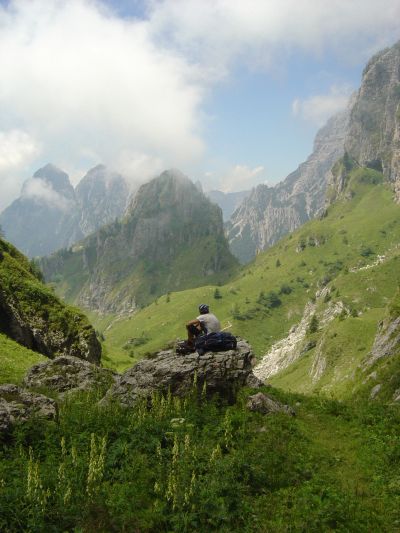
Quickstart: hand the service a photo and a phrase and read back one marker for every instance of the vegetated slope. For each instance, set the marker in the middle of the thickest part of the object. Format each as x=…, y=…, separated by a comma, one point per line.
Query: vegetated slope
x=50, y=214
x=194, y=465
x=343, y=267
x=33, y=316
x=15, y=360
x=171, y=238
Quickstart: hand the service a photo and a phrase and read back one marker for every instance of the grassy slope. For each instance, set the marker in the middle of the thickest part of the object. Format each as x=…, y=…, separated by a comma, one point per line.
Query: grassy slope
x=333, y=467
x=15, y=360
x=370, y=219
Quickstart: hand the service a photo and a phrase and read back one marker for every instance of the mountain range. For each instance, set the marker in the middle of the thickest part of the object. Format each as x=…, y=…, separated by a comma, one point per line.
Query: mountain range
x=50, y=214
x=170, y=238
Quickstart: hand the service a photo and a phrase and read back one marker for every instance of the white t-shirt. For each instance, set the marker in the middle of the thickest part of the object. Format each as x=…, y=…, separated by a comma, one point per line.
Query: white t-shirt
x=210, y=322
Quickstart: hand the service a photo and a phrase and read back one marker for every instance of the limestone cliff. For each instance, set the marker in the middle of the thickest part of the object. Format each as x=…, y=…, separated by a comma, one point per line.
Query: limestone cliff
x=373, y=139
x=269, y=213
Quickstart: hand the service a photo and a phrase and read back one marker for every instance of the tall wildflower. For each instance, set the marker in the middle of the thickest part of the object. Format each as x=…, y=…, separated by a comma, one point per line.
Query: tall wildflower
x=96, y=464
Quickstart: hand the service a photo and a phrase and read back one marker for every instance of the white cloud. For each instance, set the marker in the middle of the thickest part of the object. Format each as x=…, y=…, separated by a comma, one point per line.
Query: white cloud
x=94, y=88
x=41, y=191
x=240, y=178
x=318, y=108
x=17, y=150
x=88, y=87
x=259, y=32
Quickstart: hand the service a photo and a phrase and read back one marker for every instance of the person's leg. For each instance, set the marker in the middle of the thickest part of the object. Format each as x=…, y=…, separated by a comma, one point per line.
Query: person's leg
x=194, y=331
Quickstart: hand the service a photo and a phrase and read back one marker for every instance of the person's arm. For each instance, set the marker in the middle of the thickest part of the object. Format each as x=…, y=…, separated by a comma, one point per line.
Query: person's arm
x=194, y=322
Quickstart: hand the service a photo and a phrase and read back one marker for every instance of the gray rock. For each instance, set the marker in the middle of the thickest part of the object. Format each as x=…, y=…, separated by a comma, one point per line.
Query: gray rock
x=19, y=405
x=374, y=391
x=68, y=374
x=264, y=404
x=254, y=382
x=223, y=372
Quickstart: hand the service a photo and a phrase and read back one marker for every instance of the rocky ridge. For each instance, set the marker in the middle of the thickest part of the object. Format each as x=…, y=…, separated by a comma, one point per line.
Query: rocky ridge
x=269, y=213
x=50, y=214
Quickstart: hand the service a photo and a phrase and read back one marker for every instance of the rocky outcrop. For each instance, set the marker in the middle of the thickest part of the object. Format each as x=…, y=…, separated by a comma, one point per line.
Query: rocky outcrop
x=69, y=374
x=33, y=316
x=387, y=340
x=19, y=405
x=172, y=238
x=269, y=213
x=374, y=133
x=289, y=349
x=222, y=373
x=261, y=403
x=373, y=138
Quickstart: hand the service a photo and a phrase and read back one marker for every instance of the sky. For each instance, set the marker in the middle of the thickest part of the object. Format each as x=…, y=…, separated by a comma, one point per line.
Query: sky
x=230, y=92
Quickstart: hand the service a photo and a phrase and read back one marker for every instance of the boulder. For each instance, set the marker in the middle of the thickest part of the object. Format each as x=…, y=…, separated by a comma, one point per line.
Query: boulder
x=66, y=374
x=223, y=372
x=19, y=405
x=264, y=404
x=254, y=382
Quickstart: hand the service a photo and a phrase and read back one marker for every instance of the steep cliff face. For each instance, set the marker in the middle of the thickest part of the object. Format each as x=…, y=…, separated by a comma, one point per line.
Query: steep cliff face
x=171, y=238
x=102, y=196
x=44, y=217
x=373, y=139
x=33, y=316
x=50, y=214
x=269, y=213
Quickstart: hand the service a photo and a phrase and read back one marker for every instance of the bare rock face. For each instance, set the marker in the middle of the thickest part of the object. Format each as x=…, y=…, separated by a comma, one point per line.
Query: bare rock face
x=374, y=133
x=269, y=213
x=264, y=404
x=387, y=340
x=68, y=374
x=223, y=373
x=19, y=405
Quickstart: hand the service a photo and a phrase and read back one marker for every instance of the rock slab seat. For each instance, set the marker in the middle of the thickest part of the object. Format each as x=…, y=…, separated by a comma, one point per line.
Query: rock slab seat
x=223, y=372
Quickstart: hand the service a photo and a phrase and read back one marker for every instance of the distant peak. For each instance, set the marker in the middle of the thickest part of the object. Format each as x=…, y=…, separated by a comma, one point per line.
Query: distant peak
x=174, y=173
x=54, y=176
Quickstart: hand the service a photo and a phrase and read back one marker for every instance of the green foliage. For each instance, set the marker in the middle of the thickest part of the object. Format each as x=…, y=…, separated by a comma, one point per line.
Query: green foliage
x=285, y=289
x=193, y=465
x=314, y=324
x=36, y=303
x=217, y=294
x=15, y=360
x=269, y=300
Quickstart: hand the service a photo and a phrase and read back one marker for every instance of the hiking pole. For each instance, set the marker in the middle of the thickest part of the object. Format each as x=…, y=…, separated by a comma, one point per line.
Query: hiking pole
x=227, y=327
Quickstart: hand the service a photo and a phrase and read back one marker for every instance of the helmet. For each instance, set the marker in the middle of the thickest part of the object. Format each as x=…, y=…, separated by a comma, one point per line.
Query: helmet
x=203, y=308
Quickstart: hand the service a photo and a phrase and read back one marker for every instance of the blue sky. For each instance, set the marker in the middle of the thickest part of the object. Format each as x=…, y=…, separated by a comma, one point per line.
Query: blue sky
x=232, y=93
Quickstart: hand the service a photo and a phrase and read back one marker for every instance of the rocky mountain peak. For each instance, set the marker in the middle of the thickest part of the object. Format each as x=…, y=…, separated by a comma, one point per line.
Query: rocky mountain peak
x=374, y=134
x=56, y=178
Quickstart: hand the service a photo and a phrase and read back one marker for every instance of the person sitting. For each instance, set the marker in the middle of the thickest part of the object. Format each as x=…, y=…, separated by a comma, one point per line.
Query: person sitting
x=205, y=323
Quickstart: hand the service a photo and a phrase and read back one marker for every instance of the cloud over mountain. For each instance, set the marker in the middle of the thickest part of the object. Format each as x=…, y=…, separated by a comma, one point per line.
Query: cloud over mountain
x=81, y=85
